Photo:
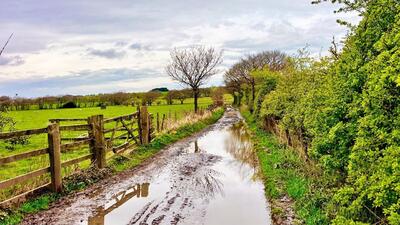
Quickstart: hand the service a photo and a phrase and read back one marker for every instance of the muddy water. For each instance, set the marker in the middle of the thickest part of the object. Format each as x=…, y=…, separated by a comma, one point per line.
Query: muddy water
x=207, y=179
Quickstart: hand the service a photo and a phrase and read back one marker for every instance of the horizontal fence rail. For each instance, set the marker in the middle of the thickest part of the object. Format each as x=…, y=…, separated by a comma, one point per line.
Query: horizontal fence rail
x=78, y=127
x=125, y=117
x=77, y=160
x=25, y=155
x=68, y=120
x=122, y=133
x=67, y=147
x=17, y=134
x=21, y=178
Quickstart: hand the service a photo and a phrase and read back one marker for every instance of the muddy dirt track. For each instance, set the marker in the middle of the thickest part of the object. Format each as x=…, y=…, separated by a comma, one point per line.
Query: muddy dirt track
x=209, y=178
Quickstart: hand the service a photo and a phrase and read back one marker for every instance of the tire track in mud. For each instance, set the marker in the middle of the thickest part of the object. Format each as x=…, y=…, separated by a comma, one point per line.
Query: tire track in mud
x=189, y=182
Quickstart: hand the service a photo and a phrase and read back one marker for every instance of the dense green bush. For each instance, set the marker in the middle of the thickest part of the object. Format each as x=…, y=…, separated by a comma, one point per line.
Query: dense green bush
x=372, y=191
x=346, y=110
x=266, y=82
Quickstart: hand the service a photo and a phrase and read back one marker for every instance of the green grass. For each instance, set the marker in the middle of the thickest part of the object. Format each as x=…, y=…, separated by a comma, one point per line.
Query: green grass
x=11, y=217
x=116, y=164
x=29, y=119
x=286, y=174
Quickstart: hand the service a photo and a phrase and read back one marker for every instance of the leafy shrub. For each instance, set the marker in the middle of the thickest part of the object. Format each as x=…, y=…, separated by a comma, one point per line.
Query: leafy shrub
x=346, y=110
x=7, y=124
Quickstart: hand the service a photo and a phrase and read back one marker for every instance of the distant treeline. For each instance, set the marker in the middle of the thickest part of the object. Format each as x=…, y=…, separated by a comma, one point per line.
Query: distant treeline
x=156, y=96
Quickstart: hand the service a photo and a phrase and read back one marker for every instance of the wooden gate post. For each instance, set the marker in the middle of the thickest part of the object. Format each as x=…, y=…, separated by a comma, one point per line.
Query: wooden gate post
x=144, y=125
x=98, y=144
x=54, y=141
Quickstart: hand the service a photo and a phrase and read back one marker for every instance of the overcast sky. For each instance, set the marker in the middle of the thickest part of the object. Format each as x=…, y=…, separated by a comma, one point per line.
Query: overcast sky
x=98, y=46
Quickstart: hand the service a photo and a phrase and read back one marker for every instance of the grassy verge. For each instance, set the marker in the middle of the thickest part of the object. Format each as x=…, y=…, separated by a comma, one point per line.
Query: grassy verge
x=117, y=164
x=289, y=181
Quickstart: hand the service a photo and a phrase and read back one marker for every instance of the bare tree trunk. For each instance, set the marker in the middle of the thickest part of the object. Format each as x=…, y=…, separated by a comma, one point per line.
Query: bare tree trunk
x=196, y=96
x=235, y=99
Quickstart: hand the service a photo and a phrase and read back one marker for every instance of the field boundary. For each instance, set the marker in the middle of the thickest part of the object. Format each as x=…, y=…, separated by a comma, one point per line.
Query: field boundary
x=132, y=129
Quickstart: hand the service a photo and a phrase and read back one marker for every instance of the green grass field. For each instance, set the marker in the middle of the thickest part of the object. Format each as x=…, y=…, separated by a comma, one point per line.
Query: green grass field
x=40, y=118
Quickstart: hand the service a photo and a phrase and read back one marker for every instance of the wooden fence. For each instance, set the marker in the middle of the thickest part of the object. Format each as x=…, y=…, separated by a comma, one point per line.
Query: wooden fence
x=101, y=136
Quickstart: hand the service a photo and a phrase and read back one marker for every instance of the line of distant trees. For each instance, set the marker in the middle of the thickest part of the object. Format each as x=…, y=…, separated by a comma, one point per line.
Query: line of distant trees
x=111, y=99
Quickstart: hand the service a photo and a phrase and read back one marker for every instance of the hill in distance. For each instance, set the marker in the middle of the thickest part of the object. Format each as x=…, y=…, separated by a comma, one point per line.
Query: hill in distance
x=161, y=89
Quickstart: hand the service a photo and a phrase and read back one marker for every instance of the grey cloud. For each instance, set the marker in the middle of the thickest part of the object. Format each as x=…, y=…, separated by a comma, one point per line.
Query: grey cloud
x=284, y=36
x=11, y=61
x=136, y=46
x=107, y=53
x=145, y=47
x=99, y=81
x=121, y=43
x=39, y=24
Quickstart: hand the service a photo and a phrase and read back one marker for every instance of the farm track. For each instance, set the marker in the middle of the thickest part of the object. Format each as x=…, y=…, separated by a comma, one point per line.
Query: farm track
x=208, y=178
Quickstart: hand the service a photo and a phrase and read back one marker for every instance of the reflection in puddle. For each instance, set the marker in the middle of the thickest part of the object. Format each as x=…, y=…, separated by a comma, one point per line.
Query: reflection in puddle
x=212, y=181
x=138, y=190
x=239, y=145
x=196, y=147
x=243, y=201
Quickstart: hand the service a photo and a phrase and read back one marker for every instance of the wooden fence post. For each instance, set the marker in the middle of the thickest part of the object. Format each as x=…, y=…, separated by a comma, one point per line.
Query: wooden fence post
x=139, y=118
x=54, y=141
x=98, y=144
x=91, y=137
x=151, y=126
x=144, y=125
x=158, y=123
x=162, y=122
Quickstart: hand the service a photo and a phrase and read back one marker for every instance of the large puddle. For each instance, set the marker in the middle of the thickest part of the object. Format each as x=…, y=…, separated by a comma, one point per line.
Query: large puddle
x=213, y=180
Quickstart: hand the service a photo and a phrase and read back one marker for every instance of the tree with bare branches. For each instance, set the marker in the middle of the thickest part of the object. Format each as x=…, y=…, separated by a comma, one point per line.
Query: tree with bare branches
x=193, y=67
x=234, y=83
x=240, y=73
